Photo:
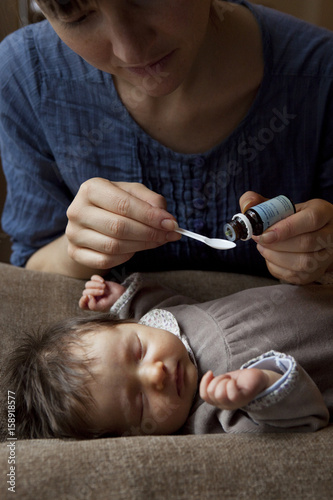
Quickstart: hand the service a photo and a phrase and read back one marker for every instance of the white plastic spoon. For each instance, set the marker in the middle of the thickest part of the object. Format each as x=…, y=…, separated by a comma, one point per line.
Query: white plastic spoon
x=217, y=243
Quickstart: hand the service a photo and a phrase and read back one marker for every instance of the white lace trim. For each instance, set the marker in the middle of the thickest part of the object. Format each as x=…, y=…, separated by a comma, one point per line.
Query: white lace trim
x=165, y=320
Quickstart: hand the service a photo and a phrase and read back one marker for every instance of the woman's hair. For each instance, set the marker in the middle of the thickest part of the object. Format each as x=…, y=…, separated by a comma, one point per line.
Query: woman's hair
x=49, y=372
x=56, y=7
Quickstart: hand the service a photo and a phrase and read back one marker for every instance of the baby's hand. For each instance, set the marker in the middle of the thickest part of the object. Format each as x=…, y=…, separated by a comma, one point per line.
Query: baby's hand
x=100, y=295
x=233, y=390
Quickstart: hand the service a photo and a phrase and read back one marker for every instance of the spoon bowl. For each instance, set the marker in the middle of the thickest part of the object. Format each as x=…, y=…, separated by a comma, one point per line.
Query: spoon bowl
x=217, y=243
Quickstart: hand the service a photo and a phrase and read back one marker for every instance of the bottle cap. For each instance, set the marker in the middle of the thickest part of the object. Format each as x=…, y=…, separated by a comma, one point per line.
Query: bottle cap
x=229, y=232
x=247, y=224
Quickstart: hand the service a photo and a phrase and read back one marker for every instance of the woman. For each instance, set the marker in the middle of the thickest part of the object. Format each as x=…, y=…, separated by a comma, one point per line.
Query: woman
x=138, y=114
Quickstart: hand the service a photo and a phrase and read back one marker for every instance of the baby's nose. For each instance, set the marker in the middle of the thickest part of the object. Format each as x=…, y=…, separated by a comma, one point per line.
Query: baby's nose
x=154, y=374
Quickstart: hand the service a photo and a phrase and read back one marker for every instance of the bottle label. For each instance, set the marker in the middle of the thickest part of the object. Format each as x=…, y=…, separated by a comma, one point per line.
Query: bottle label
x=274, y=210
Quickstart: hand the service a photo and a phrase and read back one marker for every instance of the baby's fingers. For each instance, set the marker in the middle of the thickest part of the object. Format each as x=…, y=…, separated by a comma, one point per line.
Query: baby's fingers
x=95, y=286
x=205, y=381
x=223, y=391
x=96, y=278
x=83, y=302
x=217, y=390
x=97, y=292
x=93, y=305
x=89, y=303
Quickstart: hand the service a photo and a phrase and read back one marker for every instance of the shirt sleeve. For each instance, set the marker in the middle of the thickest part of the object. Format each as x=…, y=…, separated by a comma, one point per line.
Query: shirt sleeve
x=142, y=295
x=293, y=403
x=279, y=363
x=37, y=199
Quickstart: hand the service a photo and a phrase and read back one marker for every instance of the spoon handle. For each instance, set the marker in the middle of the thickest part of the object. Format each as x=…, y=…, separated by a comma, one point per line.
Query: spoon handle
x=195, y=236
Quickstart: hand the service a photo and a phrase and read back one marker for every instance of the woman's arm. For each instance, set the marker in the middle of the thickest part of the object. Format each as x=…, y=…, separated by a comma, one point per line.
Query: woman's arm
x=54, y=258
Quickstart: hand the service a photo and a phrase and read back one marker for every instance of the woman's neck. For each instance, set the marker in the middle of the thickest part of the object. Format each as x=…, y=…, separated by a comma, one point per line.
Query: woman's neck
x=218, y=91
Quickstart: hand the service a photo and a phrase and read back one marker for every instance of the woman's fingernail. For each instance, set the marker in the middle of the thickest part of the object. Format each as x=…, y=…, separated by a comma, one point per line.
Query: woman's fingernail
x=169, y=224
x=267, y=238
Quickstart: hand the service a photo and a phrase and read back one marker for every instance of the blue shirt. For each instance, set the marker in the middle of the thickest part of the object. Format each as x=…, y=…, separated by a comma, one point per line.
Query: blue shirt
x=62, y=122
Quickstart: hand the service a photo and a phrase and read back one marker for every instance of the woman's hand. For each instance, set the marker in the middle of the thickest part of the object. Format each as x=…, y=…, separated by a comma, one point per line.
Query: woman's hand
x=298, y=249
x=108, y=222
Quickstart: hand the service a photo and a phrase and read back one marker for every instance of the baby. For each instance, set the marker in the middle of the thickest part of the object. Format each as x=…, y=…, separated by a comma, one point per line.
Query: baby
x=149, y=374
x=135, y=370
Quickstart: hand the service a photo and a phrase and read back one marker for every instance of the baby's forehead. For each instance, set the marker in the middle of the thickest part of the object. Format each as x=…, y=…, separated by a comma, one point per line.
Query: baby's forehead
x=102, y=342
x=112, y=341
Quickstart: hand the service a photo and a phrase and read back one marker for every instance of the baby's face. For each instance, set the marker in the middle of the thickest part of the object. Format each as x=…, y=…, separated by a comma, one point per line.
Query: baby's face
x=143, y=380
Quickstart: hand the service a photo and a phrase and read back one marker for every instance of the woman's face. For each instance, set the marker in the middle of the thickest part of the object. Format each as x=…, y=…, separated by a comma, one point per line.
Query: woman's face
x=153, y=44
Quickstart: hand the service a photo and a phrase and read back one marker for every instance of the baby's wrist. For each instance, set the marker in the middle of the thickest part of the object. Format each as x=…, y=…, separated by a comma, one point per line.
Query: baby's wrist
x=271, y=377
x=282, y=373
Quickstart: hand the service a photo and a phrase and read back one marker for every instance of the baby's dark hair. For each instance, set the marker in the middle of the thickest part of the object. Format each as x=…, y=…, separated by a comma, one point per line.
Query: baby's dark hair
x=50, y=378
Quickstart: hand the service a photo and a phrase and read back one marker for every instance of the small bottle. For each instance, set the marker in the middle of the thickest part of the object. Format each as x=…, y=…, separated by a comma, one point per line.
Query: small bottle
x=257, y=219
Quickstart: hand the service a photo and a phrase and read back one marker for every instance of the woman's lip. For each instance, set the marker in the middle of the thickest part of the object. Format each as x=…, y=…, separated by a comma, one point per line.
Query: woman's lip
x=150, y=67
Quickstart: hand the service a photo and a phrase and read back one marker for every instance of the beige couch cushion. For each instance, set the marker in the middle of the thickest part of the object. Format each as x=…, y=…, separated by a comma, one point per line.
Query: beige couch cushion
x=221, y=467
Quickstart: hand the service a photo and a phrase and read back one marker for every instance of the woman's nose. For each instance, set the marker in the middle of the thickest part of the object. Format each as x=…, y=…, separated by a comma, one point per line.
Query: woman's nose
x=131, y=39
x=153, y=375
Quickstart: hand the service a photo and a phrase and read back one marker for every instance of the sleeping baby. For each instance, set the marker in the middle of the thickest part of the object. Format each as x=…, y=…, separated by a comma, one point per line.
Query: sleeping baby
x=155, y=362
